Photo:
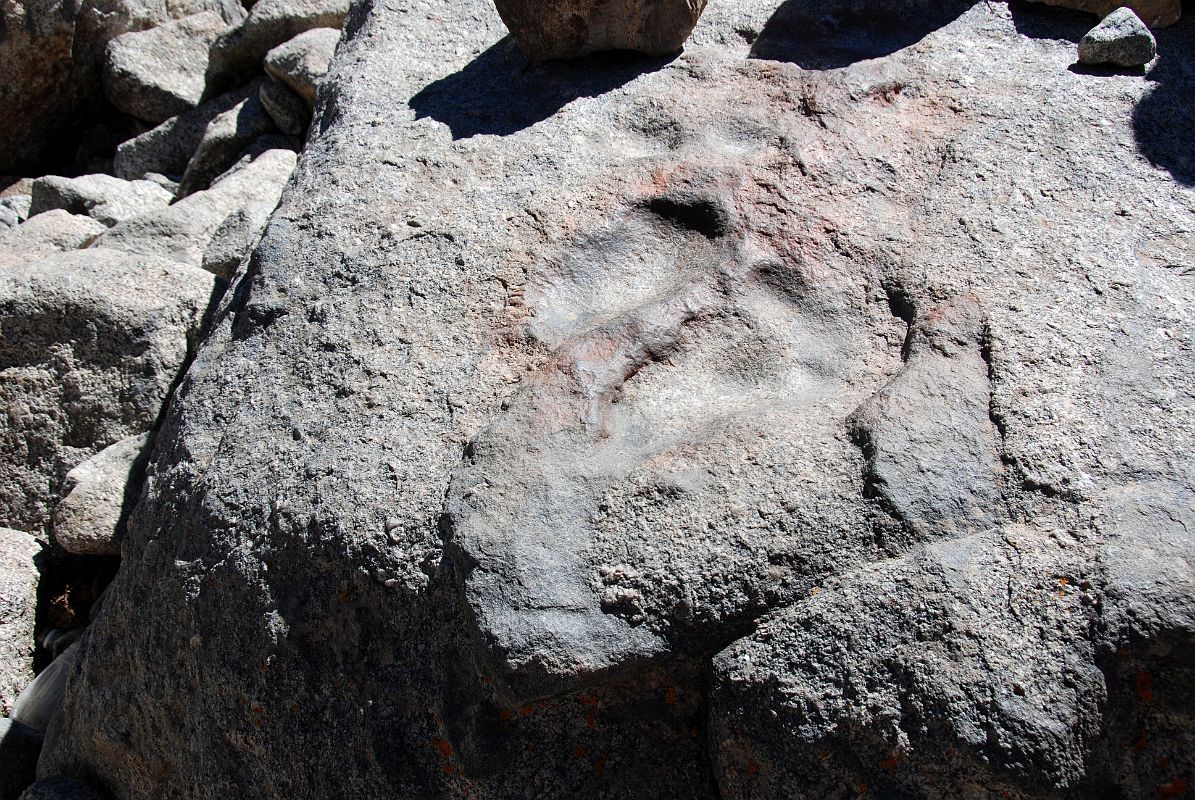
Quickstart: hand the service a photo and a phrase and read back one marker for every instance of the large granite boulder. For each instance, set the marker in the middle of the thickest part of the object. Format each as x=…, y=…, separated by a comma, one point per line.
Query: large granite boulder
x=805, y=425
x=91, y=343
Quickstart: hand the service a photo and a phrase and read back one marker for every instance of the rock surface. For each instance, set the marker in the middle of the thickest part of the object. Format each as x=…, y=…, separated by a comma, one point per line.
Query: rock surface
x=49, y=232
x=802, y=416
x=102, y=197
x=288, y=111
x=224, y=139
x=1156, y=13
x=239, y=52
x=159, y=73
x=302, y=61
x=578, y=27
x=91, y=343
x=61, y=789
x=97, y=496
x=18, y=603
x=1121, y=39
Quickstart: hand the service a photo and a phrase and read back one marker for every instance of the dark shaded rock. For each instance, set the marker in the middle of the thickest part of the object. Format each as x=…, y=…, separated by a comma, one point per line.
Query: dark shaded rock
x=577, y=27
x=20, y=747
x=61, y=789
x=1121, y=39
x=1156, y=13
x=289, y=112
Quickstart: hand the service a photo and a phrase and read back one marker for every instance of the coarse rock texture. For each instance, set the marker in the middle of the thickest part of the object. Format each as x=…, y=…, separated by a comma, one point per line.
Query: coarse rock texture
x=224, y=139
x=91, y=344
x=14, y=209
x=302, y=61
x=159, y=73
x=97, y=496
x=290, y=113
x=185, y=230
x=48, y=233
x=239, y=52
x=51, y=57
x=102, y=197
x=1156, y=13
x=234, y=239
x=18, y=604
x=574, y=28
x=1121, y=39
x=807, y=415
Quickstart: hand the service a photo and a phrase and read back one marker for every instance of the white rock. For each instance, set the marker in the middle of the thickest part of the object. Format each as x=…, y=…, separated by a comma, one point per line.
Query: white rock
x=50, y=232
x=89, y=520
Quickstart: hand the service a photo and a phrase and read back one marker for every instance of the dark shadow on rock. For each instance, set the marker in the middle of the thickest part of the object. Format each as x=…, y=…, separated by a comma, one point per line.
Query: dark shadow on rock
x=500, y=93
x=815, y=34
x=1103, y=70
x=1041, y=21
x=1164, y=120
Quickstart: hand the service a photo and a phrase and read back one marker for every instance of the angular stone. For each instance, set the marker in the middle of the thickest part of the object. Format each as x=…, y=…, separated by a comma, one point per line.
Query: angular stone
x=289, y=112
x=235, y=237
x=159, y=73
x=1121, y=39
x=184, y=231
x=102, y=197
x=577, y=27
x=239, y=52
x=167, y=148
x=47, y=233
x=224, y=139
x=97, y=496
x=1155, y=13
x=14, y=210
x=91, y=342
x=18, y=607
x=300, y=62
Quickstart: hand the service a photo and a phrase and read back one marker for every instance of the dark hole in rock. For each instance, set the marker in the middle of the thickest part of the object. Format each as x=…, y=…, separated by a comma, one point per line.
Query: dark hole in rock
x=700, y=216
x=819, y=35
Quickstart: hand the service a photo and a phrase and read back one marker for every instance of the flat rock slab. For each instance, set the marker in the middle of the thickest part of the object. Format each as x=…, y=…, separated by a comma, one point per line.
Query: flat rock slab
x=633, y=427
x=159, y=73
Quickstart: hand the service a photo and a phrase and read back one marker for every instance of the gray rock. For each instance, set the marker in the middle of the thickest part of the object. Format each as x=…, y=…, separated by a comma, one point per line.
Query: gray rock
x=18, y=606
x=102, y=197
x=18, y=204
x=61, y=789
x=625, y=428
x=1121, y=39
x=289, y=112
x=238, y=53
x=97, y=496
x=167, y=148
x=184, y=231
x=47, y=233
x=301, y=62
x=578, y=27
x=40, y=701
x=235, y=237
x=91, y=342
x=224, y=139
x=20, y=747
x=159, y=73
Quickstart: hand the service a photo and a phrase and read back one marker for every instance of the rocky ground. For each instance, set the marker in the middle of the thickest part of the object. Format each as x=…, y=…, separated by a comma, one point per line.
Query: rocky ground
x=806, y=414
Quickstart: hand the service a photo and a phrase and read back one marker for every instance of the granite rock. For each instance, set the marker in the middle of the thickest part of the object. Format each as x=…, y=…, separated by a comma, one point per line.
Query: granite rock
x=97, y=496
x=300, y=62
x=47, y=233
x=18, y=605
x=1121, y=39
x=104, y=198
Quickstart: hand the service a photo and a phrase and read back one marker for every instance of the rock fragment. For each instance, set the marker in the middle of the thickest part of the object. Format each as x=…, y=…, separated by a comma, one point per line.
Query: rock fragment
x=576, y=27
x=1121, y=39
x=101, y=197
x=18, y=605
x=300, y=62
x=159, y=73
x=89, y=520
x=167, y=148
x=49, y=232
x=92, y=342
x=286, y=108
x=224, y=139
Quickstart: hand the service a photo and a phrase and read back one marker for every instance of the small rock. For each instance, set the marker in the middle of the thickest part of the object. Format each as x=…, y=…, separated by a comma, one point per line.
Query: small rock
x=20, y=746
x=91, y=516
x=101, y=197
x=167, y=148
x=223, y=141
x=51, y=232
x=239, y=52
x=18, y=605
x=574, y=28
x=286, y=108
x=1121, y=39
x=300, y=62
x=158, y=73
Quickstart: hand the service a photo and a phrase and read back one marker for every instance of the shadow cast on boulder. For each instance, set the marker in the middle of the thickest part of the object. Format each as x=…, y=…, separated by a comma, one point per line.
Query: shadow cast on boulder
x=1164, y=120
x=829, y=35
x=1040, y=21
x=500, y=93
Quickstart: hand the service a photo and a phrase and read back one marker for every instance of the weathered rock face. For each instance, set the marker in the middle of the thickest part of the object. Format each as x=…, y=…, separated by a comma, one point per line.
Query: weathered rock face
x=18, y=605
x=302, y=61
x=576, y=27
x=799, y=417
x=97, y=495
x=91, y=343
x=102, y=197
